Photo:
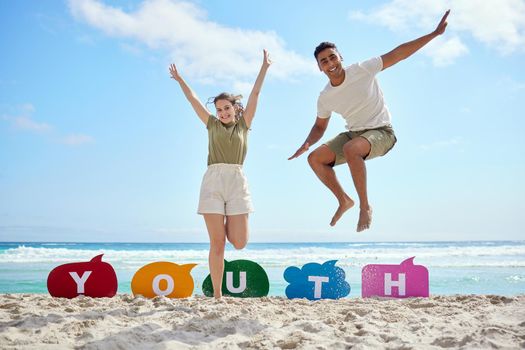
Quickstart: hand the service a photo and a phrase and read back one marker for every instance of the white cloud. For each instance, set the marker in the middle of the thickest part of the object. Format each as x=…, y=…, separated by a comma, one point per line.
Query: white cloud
x=132, y=49
x=402, y=15
x=86, y=39
x=242, y=88
x=511, y=84
x=176, y=231
x=76, y=139
x=441, y=144
x=27, y=123
x=444, y=52
x=27, y=108
x=273, y=146
x=201, y=48
x=498, y=24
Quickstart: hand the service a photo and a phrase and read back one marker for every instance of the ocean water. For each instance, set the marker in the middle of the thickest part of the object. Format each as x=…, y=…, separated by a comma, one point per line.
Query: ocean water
x=475, y=267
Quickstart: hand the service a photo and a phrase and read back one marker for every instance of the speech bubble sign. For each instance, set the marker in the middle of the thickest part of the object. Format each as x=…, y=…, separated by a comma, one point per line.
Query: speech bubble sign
x=241, y=279
x=315, y=281
x=163, y=278
x=95, y=278
x=395, y=281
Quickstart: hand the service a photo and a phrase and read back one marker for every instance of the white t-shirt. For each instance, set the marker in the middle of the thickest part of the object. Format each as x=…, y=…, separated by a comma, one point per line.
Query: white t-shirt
x=359, y=100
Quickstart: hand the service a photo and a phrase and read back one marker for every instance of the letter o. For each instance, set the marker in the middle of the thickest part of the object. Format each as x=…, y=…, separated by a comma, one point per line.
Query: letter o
x=156, y=284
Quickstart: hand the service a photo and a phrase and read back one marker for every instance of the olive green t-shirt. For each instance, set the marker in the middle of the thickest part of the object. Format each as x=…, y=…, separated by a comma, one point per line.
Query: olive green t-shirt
x=227, y=143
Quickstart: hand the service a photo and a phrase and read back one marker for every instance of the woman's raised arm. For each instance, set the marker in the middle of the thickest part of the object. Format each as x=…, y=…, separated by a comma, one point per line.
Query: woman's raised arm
x=251, y=106
x=202, y=112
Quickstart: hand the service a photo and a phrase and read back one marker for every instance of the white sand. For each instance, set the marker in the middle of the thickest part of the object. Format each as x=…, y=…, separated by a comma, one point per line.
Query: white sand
x=35, y=321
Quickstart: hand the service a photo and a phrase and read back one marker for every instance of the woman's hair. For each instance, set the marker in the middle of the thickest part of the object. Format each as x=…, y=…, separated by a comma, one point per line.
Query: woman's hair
x=235, y=100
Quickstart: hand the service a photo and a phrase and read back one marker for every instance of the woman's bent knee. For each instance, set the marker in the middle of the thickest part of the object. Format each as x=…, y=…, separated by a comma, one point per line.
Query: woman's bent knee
x=239, y=244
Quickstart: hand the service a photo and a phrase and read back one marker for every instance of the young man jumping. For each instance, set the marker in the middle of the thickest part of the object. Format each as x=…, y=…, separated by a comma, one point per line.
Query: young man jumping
x=354, y=93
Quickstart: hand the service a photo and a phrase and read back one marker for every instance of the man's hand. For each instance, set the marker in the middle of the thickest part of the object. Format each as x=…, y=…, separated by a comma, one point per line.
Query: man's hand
x=440, y=29
x=409, y=48
x=301, y=150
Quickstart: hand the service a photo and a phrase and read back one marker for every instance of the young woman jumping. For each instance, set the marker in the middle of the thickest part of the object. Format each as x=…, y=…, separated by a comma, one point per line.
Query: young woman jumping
x=225, y=200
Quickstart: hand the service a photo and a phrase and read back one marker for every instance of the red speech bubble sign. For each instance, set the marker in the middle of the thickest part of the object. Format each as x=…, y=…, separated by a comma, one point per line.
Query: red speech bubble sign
x=93, y=278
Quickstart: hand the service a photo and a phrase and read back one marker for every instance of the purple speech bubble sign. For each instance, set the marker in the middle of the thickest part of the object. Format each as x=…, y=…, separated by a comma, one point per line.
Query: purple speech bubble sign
x=395, y=281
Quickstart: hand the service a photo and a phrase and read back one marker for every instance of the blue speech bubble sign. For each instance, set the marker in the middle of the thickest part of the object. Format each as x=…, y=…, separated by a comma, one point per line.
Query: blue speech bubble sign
x=315, y=281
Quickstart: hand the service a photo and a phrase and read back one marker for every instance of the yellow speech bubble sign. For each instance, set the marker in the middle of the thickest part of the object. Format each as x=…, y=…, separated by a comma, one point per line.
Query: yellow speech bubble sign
x=163, y=278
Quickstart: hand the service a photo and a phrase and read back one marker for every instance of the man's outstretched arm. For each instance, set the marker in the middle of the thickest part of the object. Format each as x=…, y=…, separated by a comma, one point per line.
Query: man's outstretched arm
x=407, y=49
x=315, y=135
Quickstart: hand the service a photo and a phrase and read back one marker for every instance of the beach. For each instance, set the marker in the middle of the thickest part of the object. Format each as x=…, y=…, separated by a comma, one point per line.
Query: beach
x=482, y=267
x=39, y=321
x=477, y=300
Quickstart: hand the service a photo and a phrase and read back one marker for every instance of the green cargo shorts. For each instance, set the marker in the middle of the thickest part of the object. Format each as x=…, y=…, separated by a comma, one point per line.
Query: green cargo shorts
x=381, y=140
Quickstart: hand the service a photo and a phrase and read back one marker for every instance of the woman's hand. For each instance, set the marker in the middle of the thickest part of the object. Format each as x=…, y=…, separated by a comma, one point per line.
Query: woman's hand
x=266, y=60
x=174, y=74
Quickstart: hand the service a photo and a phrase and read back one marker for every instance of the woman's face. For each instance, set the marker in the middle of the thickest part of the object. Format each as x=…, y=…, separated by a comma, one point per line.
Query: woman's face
x=225, y=111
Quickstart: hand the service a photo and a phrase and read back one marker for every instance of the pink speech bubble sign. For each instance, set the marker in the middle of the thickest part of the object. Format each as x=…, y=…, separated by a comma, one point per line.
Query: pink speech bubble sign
x=395, y=281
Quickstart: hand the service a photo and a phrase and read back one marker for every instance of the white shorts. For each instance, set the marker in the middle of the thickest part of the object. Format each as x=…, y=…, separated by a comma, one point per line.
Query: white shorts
x=224, y=190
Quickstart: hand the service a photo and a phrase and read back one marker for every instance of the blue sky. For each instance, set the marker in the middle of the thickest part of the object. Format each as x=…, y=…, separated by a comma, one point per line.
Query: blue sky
x=98, y=144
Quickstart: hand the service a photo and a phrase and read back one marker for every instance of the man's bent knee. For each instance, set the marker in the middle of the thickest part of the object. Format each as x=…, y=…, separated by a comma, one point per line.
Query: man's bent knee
x=321, y=156
x=313, y=159
x=359, y=147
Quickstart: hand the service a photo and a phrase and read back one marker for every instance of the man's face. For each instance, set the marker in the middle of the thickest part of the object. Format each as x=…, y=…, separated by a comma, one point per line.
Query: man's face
x=330, y=63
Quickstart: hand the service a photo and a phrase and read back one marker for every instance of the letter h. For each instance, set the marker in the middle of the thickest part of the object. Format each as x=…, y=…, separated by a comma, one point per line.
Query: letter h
x=400, y=284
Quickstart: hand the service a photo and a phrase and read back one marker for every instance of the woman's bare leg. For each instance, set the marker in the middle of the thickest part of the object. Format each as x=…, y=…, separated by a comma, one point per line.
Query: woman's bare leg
x=237, y=230
x=217, y=232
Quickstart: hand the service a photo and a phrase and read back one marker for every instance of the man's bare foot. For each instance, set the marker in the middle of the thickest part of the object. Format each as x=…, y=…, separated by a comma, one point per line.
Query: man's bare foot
x=344, y=206
x=365, y=219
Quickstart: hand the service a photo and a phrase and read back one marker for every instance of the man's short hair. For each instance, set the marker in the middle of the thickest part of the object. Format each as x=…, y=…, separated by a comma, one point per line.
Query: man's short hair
x=322, y=46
